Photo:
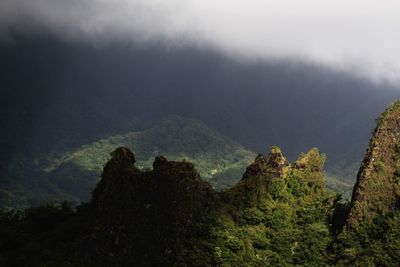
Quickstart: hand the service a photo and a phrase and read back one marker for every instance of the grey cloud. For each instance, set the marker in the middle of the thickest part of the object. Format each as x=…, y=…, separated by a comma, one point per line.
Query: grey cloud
x=361, y=36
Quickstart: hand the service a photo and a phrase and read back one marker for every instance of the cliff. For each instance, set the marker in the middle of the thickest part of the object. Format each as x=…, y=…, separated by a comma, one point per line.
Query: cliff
x=146, y=216
x=377, y=189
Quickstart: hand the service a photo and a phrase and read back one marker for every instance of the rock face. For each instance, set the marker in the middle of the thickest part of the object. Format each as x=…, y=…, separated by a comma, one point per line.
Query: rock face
x=377, y=189
x=274, y=165
x=309, y=166
x=269, y=171
x=146, y=215
x=117, y=183
x=253, y=188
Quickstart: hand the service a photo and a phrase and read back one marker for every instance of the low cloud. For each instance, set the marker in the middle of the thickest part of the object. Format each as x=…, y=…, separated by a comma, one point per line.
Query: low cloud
x=359, y=36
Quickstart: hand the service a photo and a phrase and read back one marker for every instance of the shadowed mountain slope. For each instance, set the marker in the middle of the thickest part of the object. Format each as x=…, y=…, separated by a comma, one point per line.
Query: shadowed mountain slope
x=59, y=96
x=73, y=174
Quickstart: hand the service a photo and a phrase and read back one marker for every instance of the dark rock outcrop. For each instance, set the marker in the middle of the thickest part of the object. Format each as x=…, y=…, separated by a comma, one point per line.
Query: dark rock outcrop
x=148, y=216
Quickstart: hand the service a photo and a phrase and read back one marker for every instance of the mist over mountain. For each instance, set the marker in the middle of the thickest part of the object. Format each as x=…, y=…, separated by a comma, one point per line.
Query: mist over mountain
x=360, y=37
x=60, y=95
x=199, y=133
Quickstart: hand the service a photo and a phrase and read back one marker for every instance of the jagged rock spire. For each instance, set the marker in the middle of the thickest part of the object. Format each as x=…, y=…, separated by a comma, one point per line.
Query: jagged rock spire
x=253, y=188
x=377, y=189
x=276, y=162
x=116, y=180
x=309, y=166
x=128, y=205
x=273, y=165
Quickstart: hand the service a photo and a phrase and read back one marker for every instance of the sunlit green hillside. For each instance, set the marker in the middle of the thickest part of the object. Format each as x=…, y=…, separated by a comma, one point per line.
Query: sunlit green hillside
x=216, y=157
x=73, y=173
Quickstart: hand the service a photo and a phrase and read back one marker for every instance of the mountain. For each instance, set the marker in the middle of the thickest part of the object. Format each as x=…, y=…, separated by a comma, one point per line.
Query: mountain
x=58, y=96
x=278, y=214
x=377, y=189
x=170, y=216
x=73, y=174
x=215, y=156
x=372, y=225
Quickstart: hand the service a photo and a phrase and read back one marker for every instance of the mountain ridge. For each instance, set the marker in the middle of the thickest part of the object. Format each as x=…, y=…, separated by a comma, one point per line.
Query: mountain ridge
x=53, y=89
x=377, y=188
x=278, y=214
x=73, y=174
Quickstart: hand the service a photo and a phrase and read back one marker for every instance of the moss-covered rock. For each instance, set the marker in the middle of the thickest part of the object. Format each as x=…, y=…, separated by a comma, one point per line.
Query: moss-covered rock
x=377, y=190
x=309, y=167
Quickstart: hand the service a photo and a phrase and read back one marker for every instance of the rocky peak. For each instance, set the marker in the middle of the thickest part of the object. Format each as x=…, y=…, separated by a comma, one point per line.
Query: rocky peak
x=272, y=165
x=117, y=200
x=116, y=182
x=159, y=162
x=123, y=154
x=377, y=189
x=258, y=167
x=129, y=204
x=253, y=188
x=312, y=160
x=309, y=166
x=276, y=162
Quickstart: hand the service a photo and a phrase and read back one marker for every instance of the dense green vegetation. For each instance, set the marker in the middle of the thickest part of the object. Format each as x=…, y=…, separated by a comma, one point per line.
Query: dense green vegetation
x=283, y=220
x=218, y=159
x=177, y=139
x=278, y=214
x=64, y=107
x=71, y=175
x=30, y=180
x=375, y=243
x=57, y=97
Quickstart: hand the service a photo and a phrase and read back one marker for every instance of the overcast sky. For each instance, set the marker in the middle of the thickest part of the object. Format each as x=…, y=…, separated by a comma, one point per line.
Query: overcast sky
x=361, y=36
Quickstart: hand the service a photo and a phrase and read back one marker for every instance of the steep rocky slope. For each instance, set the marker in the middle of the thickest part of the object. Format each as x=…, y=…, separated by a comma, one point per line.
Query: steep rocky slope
x=143, y=217
x=377, y=189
